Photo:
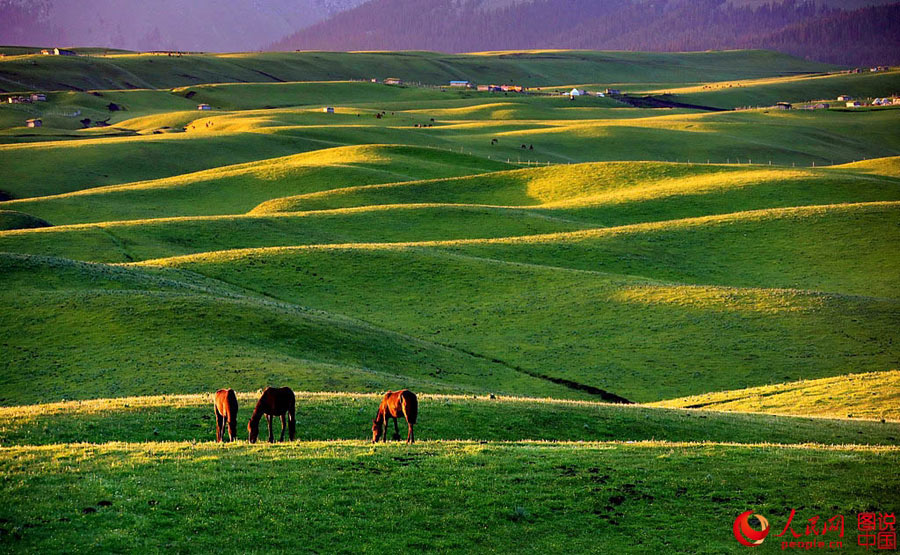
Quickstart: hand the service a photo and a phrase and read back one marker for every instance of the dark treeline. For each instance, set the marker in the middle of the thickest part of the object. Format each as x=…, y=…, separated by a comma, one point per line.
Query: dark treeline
x=863, y=36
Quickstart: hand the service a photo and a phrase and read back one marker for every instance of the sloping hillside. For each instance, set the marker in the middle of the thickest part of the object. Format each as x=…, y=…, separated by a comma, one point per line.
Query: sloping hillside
x=538, y=68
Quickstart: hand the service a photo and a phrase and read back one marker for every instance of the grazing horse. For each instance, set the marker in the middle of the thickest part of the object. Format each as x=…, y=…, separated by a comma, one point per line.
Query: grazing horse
x=226, y=408
x=393, y=405
x=274, y=401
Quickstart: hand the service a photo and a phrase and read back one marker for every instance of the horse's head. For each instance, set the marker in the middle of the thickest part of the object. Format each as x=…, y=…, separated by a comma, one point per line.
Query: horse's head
x=252, y=430
x=376, y=431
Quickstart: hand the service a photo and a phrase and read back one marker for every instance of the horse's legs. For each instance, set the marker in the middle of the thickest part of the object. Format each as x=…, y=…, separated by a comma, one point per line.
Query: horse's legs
x=219, y=423
x=396, y=430
x=232, y=427
x=271, y=434
x=283, y=426
x=410, y=438
x=292, y=420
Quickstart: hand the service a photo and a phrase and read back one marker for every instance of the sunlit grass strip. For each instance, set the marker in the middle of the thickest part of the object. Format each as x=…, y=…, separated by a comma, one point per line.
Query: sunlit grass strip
x=865, y=396
x=88, y=449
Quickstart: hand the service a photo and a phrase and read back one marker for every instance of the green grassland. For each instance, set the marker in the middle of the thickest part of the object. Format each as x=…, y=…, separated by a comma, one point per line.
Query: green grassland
x=534, y=68
x=733, y=273
x=617, y=331
x=173, y=334
x=788, y=139
x=768, y=91
x=445, y=496
x=618, y=193
x=236, y=189
x=130, y=241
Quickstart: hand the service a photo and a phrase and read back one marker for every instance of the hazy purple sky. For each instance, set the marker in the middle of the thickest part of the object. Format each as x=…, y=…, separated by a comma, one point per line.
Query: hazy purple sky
x=211, y=25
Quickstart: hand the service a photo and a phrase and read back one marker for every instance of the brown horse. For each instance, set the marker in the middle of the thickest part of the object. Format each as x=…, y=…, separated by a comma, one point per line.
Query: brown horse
x=226, y=408
x=393, y=405
x=274, y=401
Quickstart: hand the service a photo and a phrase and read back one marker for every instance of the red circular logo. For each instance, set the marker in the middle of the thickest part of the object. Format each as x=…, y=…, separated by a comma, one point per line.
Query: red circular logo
x=745, y=534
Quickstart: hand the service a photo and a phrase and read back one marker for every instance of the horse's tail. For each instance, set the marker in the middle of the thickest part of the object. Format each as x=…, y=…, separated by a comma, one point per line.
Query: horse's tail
x=232, y=403
x=292, y=416
x=410, y=407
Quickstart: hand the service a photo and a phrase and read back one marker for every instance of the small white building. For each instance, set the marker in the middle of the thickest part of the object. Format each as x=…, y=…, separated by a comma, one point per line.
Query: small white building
x=460, y=84
x=844, y=98
x=204, y=107
x=33, y=123
x=38, y=97
x=328, y=109
x=854, y=104
x=577, y=92
x=58, y=52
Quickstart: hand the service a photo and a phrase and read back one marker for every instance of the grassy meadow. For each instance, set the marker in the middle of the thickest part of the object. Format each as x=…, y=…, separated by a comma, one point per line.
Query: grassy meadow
x=521, y=261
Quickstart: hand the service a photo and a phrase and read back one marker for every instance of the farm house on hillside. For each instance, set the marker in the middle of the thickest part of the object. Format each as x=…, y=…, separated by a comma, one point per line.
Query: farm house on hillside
x=854, y=104
x=393, y=81
x=58, y=52
x=204, y=107
x=577, y=92
x=613, y=91
x=783, y=106
x=844, y=98
x=33, y=122
x=328, y=109
x=461, y=84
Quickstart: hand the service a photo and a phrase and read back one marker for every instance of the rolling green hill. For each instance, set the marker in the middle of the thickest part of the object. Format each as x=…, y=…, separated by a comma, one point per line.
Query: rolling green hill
x=603, y=339
x=787, y=139
x=130, y=241
x=618, y=193
x=235, y=189
x=873, y=395
x=768, y=91
x=10, y=219
x=534, y=68
x=147, y=332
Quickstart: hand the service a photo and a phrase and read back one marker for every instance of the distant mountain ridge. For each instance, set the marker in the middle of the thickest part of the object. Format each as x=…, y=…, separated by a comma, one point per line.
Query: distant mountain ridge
x=819, y=31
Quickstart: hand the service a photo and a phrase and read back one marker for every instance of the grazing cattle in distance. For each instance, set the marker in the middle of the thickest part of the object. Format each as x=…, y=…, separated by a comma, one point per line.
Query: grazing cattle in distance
x=274, y=401
x=393, y=405
x=226, y=407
